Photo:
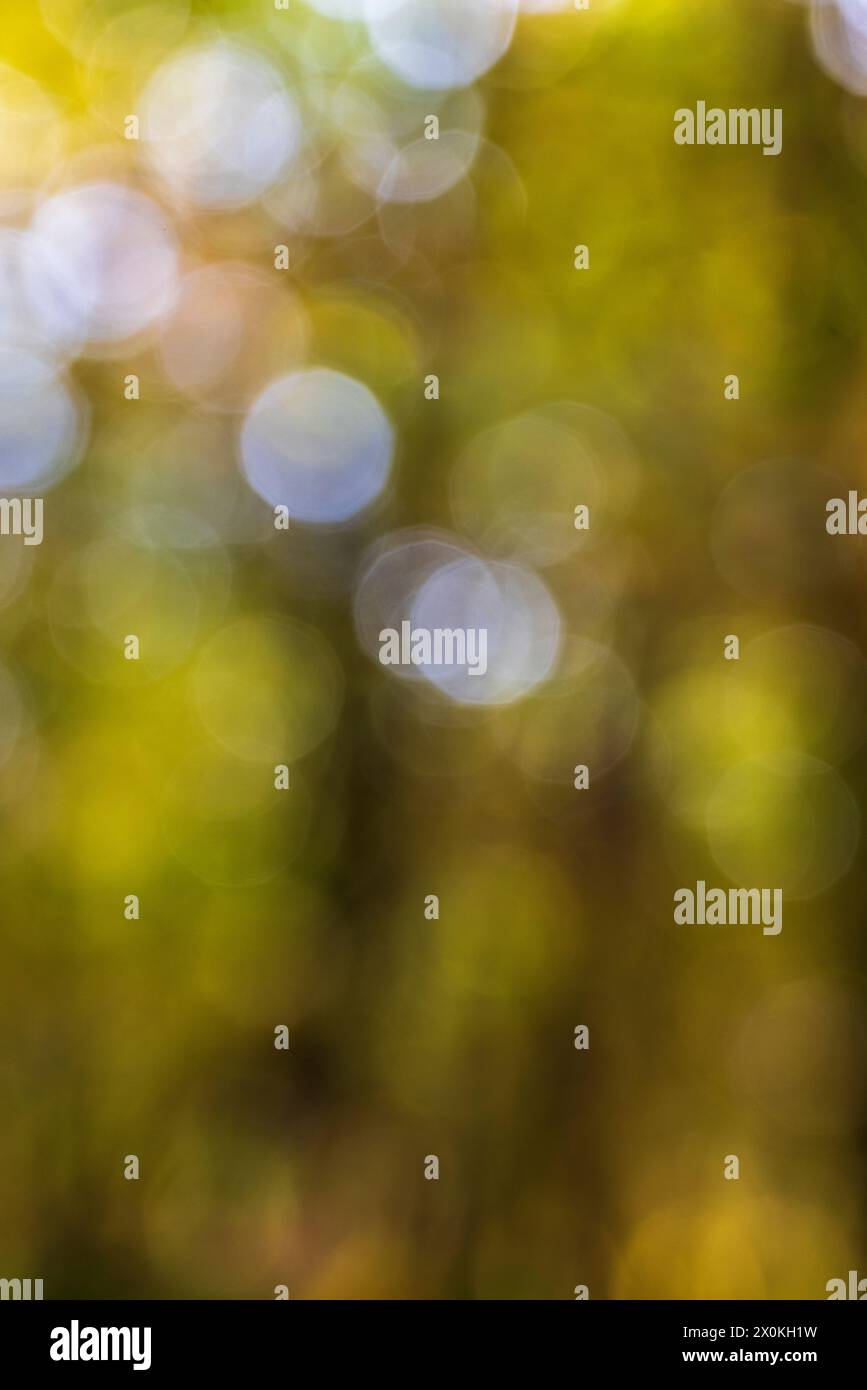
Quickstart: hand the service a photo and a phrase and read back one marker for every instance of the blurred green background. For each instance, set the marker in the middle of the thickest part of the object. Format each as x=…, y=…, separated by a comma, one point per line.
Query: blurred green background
x=410, y=1036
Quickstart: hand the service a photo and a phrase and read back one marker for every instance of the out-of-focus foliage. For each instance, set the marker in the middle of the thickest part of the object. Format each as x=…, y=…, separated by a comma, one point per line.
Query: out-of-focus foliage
x=237, y=206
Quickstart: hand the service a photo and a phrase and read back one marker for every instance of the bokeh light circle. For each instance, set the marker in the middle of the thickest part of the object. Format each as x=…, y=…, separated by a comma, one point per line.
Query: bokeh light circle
x=392, y=572
x=588, y=713
x=515, y=612
x=219, y=125
x=428, y=579
x=815, y=681
x=32, y=130
x=783, y=821
x=838, y=30
x=268, y=690
x=113, y=588
x=516, y=485
x=104, y=263
x=441, y=43
x=319, y=443
x=227, y=326
x=41, y=422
